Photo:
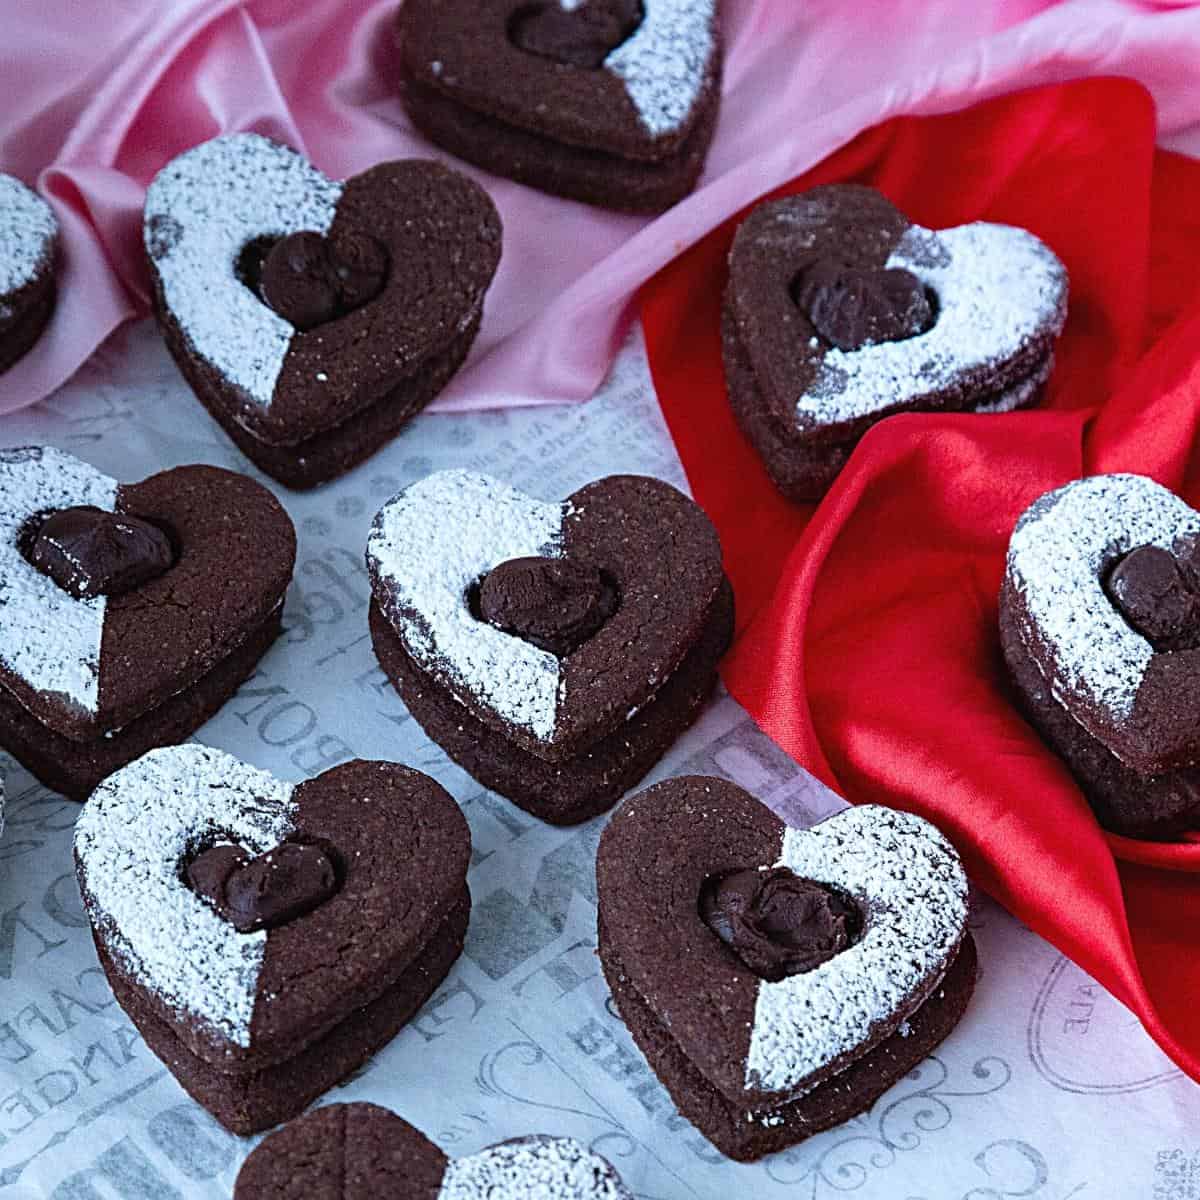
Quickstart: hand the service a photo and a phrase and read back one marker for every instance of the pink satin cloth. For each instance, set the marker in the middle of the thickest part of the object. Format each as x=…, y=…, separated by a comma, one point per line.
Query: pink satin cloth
x=98, y=97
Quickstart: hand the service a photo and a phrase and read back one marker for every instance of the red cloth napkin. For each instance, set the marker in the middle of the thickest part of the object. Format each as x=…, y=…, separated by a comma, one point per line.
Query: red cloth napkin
x=868, y=645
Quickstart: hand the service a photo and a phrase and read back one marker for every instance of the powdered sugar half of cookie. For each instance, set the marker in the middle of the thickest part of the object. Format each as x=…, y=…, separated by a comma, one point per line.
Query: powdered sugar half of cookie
x=911, y=884
x=1060, y=551
x=27, y=232
x=428, y=546
x=535, y=1168
x=998, y=288
x=48, y=638
x=201, y=211
x=666, y=61
x=133, y=840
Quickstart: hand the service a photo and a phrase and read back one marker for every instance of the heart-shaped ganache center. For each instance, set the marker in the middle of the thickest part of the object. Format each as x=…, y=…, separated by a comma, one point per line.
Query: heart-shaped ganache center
x=310, y=279
x=89, y=552
x=267, y=891
x=556, y=604
x=776, y=923
x=577, y=33
x=852, y=307
x=1159, y=595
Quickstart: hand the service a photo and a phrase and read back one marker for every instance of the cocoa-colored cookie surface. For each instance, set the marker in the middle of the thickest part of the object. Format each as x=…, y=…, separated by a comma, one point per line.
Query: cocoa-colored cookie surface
x=612, y=102
x=314, y=317
x=738, y=1049
x=839, y=312
x=115, y=629
x=348, y=1151
x=28, y=242
x=244, y=1004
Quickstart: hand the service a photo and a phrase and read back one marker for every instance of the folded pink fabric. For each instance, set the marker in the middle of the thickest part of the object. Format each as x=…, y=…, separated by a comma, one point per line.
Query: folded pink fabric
x=97, y=98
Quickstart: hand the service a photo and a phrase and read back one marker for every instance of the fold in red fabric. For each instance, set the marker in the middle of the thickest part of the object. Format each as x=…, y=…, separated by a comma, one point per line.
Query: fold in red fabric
x=868, y=644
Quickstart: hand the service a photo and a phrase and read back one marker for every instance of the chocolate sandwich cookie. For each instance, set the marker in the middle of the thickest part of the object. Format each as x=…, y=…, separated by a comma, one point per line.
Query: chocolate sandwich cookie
x=840, y=312
x=345, y=1150
x=314, y=318
x=28, y=238
x=779, y=980
x=553, y=649
x=612, y=102
x=1100, y=626
x=132, y=612
x=266, y=939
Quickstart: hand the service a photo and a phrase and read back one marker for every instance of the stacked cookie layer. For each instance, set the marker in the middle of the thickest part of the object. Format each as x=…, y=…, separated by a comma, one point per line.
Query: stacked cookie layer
x=90, y=681
x=839, y=312
x=1100, y=625
x=612, y=102
x=261, y=983
x=755, y=1063
x=565, y=731
x=28, y=237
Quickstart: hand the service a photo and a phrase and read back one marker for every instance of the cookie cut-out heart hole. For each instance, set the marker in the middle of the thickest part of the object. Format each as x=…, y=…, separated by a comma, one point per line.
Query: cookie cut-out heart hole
x=1159, y=595
x=556, y=604
x=310, y=279
x=582, y=33
x=89, y=552
x=264, y=892
x=776, y=923
x=852, y=307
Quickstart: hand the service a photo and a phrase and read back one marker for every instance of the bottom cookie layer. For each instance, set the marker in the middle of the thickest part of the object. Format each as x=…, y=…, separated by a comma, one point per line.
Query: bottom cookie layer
x=746, y=1136
x=75, y=768
x=562, y=793
x=591, y=176
x=250, y=1103
x=1152, y=807
x=333, y=452
x=19, y=335
x=802, y=468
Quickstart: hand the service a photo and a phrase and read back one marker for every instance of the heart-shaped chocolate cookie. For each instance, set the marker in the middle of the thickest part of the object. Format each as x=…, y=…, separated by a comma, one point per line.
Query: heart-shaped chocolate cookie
x=256, y=1023
x=313, y=317
x=609, y=101
x=116, y=635
x=650, y=552
x=774, y=1008
x=28, y=236
x=362, y=1149
x=839, y=311
x=1100, y=622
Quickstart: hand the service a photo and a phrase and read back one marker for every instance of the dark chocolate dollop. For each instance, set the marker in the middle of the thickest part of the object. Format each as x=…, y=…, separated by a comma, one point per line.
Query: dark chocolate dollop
x=583, y=36
x=554, y=603
x=309, y=279
x=777, y=923
x=89, y=552
x=1159, y=596
x=267, y=891
x=853, y=307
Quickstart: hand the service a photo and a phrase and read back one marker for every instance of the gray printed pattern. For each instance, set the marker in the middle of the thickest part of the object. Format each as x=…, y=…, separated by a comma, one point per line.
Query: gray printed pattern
x=1049, y=1089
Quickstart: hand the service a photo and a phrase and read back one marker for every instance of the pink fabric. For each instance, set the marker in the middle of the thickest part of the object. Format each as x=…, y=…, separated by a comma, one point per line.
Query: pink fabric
x=98, y=97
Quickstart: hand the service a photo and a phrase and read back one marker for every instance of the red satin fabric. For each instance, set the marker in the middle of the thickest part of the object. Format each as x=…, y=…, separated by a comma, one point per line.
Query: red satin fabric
x=867, y=644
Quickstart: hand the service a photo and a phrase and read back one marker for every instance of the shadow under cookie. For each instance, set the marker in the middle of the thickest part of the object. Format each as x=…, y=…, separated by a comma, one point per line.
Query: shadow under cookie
x=745, y=1136
x=74, y=768
x=248, y=1102
x=575, y=789
x=1152, y=807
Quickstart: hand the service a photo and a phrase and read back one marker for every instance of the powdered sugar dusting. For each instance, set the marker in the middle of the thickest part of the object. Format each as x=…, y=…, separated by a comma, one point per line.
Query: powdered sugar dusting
x=912, y=885
x=998, y=288
x=428, y=546
x=664, y=64
x=1060, y=551
x=47, y=637
x=201, y=210
x=534, y=1168
x=134, y=837
x=27, y=232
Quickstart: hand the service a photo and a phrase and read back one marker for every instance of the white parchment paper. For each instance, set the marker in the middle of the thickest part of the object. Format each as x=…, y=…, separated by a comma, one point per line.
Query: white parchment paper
x=1048, y=1089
